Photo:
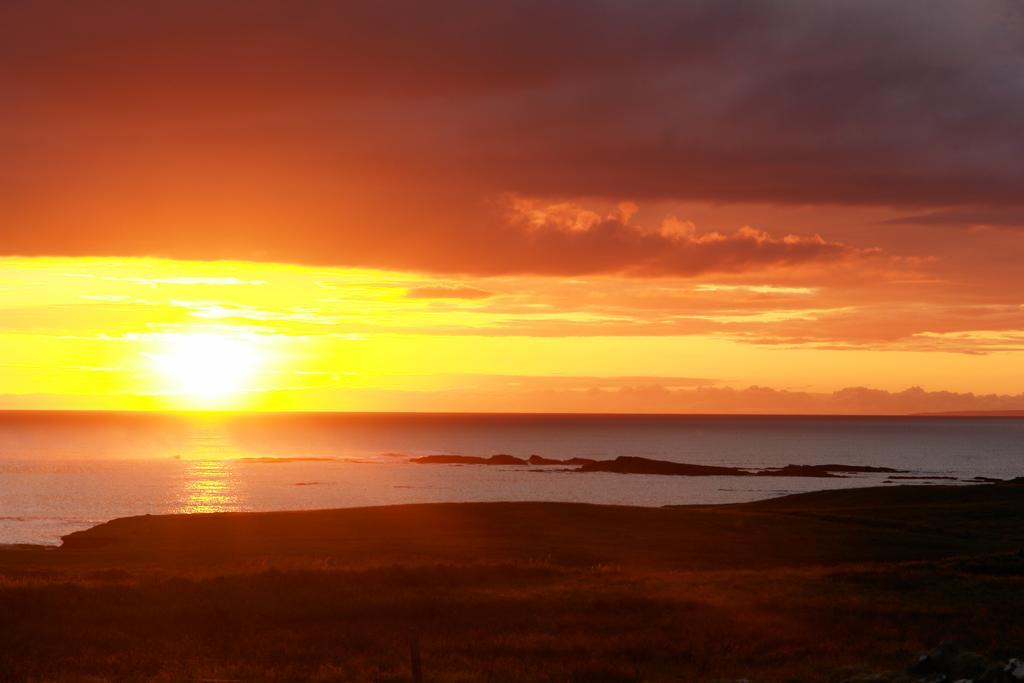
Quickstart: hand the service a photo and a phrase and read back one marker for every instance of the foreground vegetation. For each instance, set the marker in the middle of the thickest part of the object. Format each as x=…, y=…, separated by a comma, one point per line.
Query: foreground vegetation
x=845, y=585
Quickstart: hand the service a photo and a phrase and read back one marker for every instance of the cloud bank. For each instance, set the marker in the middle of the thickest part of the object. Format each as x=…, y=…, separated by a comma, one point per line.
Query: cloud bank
x=382, y=134
x=660, y=395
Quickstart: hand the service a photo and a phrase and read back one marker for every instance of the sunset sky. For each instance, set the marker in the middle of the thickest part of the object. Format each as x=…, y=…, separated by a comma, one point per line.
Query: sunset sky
x=593, y=206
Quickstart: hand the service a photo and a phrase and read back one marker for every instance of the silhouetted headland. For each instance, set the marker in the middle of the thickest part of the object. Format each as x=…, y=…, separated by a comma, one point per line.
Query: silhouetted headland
x=851, y=584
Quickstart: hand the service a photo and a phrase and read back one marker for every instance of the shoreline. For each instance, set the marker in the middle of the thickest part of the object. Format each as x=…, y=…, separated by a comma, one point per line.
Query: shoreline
x=200, y=532
x=923, y=482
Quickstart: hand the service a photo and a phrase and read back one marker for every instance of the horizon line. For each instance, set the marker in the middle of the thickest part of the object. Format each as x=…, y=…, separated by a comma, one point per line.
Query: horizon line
x=1006, y=414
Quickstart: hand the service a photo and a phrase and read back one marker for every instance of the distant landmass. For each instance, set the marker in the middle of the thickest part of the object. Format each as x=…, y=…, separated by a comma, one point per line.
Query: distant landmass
x=974, y=413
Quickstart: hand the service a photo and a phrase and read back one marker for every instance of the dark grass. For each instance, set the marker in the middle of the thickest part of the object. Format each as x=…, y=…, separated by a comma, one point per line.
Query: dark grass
x=488, y=599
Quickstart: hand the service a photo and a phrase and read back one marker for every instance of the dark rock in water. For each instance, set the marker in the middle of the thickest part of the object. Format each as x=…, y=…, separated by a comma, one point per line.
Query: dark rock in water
x=797, y=471
x=924, y=478
x=450, y=460
x=858, y=468
x=830, y=470
x=500, y=459
x=541, y=460
x=636, y=465
x=983, y=480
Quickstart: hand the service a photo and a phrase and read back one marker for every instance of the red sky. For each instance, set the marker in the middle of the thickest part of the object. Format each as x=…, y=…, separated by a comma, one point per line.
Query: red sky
x=841, y=176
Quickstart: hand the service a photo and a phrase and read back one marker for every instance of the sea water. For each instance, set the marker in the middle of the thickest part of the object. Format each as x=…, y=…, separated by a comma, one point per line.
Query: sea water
x=60, y=472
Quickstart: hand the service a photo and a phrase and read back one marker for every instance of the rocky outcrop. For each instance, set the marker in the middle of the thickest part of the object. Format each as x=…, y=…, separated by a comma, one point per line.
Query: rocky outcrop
x=822, y=470
x=636, y=465
x=855, y=469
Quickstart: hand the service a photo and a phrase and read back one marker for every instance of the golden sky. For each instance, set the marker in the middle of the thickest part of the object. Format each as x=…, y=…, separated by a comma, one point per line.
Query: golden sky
x=717, y=206
x=132, y=333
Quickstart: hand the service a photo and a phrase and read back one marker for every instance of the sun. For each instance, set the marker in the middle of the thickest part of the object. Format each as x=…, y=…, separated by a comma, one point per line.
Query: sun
x=208, y=369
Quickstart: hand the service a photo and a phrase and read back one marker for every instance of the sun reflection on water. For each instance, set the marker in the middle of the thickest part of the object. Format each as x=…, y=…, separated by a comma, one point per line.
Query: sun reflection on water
x=209, y=487
x=210, y=482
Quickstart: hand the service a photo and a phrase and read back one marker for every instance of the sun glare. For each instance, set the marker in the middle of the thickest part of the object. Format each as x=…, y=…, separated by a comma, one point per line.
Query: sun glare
x=207, y=369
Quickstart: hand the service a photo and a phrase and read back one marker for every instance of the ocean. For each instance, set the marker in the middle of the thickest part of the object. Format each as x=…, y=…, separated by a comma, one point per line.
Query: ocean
x=61, y=472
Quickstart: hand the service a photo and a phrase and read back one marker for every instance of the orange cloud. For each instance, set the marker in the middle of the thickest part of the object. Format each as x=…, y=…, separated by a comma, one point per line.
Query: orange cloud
x=569, y=239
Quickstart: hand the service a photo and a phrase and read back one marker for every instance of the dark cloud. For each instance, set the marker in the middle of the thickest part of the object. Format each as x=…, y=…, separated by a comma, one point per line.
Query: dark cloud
x=355, y=133
x=966, y=218
x=228, y=52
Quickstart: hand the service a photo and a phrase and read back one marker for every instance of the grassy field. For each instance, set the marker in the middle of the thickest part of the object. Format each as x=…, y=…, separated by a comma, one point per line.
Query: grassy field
x=832, y=586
